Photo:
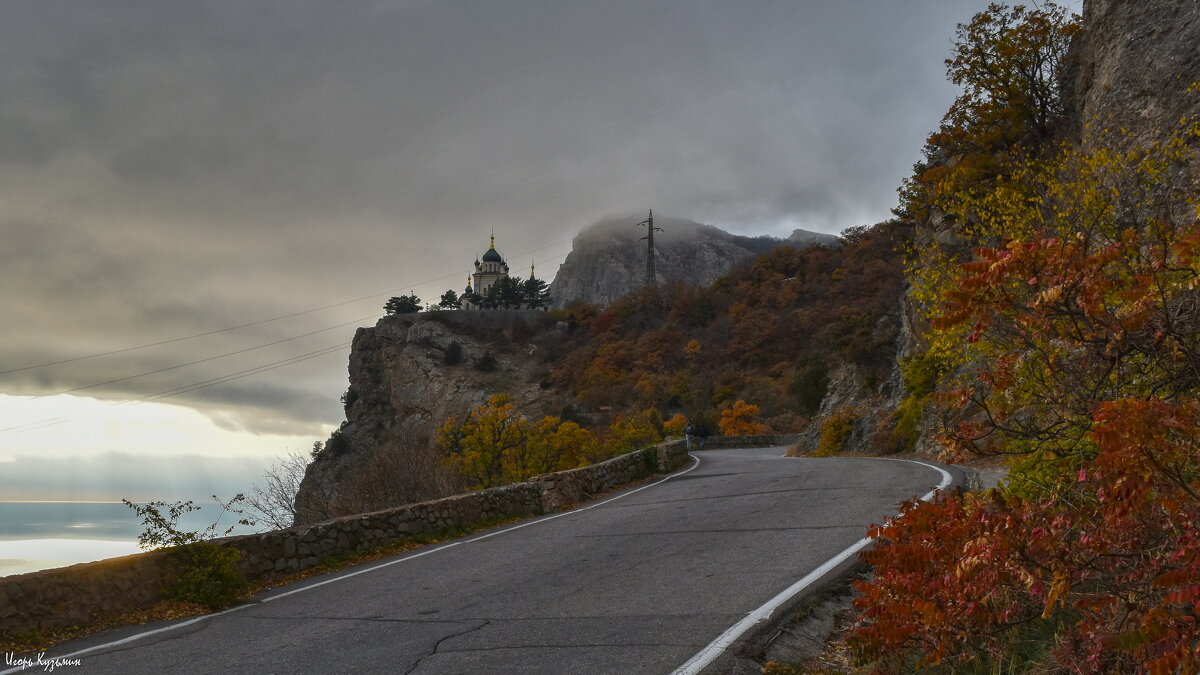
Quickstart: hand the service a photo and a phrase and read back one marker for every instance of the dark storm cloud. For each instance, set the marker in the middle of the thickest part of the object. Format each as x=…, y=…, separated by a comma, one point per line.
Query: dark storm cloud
x=171, y=168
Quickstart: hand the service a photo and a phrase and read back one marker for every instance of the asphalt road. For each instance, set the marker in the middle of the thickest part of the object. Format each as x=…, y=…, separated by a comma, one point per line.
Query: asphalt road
x=637, y=583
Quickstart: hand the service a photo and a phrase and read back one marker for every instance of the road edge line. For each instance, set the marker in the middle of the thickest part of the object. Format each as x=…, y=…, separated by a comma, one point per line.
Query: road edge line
x=717, y=647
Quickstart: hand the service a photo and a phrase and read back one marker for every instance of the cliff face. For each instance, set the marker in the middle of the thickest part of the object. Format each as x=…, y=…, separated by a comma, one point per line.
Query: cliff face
x=1131, y=66
x=402, y=389
x=607, y=261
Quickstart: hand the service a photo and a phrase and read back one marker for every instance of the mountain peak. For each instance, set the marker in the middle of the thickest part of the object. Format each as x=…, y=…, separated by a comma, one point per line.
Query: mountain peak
x=608, y=260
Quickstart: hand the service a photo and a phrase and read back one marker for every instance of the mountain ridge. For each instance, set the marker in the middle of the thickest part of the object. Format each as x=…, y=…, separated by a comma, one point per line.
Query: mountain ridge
x=608, y=261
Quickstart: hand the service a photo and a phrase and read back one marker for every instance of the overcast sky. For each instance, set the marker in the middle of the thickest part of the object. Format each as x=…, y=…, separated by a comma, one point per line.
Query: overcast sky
x=174, y=168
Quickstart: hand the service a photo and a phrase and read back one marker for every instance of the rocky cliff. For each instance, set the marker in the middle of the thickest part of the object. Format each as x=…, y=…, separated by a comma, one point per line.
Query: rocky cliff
x=408, y=374
x=1130, y=68
x=607, y=260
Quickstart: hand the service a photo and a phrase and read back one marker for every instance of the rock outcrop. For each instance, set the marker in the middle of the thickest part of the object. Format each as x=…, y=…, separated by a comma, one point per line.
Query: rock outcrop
x=408, y=374
x=1130, y=68
x=607, y=261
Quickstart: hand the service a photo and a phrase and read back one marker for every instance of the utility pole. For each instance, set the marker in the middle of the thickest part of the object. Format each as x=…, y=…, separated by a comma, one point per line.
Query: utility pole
x=651, y=280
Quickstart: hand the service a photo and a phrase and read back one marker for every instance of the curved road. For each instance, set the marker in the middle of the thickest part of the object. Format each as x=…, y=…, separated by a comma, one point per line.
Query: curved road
x=637, y=583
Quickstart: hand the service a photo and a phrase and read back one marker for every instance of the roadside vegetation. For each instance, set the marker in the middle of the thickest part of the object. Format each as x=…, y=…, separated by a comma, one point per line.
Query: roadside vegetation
x=1064, y=338
x=493, y=445
x=207, y=573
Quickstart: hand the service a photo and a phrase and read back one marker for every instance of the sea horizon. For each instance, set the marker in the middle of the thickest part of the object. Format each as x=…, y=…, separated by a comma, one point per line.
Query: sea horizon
x=46, y=534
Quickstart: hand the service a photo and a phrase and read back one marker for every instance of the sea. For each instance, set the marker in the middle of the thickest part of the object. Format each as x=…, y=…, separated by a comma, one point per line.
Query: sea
x=44, y=535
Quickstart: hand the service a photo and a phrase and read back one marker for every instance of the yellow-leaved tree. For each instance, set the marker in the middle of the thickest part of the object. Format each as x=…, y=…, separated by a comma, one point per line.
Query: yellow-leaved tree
x=740, y=419
x=675, y=425
x=494, y=445
x=632, y=432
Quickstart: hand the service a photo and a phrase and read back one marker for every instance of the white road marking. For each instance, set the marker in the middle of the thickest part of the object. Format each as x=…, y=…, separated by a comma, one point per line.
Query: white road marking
x=715, y=648
x=443, y=547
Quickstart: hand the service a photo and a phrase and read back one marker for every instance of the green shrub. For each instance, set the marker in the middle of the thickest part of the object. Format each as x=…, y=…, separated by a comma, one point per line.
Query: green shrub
x=909, y=415
x=210, y=576
x=208, y=573
x=921, y=373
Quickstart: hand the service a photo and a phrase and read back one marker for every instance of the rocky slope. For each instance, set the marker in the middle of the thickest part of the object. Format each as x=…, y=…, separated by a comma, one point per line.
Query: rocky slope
x=607, y=260
x=1131, y=67
x=402, y=389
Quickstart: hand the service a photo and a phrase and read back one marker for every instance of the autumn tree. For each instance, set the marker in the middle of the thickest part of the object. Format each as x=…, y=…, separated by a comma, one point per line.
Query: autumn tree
x=740, y=419
x=494, y=445
x=478, y=446
x=554, y=445
x=632, y=432
x=1008, y=62
x=675, y=425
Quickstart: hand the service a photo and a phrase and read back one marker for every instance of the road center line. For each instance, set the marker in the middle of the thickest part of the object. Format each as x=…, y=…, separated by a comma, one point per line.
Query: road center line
x=718, y=646
x=343, y=577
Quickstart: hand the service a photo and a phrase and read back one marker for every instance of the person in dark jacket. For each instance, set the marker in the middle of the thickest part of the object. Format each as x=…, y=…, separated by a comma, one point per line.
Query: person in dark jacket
x=702, y=432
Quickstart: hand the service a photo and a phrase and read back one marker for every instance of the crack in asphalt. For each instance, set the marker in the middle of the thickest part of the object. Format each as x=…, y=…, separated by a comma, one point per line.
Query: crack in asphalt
x=480, y=624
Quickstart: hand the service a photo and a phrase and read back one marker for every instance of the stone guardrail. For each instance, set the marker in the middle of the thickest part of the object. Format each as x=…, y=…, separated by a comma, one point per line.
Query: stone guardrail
x=79, y=594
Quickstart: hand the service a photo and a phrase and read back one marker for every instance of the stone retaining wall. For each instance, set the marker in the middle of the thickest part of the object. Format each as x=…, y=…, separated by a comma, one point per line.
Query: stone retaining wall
x=75, y=595
x=564, y=488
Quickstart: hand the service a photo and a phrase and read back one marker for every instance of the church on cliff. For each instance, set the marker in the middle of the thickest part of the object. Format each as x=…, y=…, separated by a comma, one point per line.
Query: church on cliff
x=491, y=287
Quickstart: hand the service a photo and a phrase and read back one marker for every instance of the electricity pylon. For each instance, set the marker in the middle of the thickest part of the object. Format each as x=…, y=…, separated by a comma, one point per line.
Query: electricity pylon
x=651, y=280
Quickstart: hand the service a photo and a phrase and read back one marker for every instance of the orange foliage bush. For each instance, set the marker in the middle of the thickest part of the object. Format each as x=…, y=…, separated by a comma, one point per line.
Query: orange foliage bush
x=835, y=431
x=675, y=425
x=740, y=418
x=1116, y=568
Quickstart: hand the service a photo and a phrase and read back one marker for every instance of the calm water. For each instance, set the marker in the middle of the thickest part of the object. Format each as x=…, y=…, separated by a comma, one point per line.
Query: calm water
x=42, y=535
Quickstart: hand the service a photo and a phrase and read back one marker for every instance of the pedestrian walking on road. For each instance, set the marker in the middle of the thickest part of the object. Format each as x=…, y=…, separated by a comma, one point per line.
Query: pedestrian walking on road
x=688, y=432
x=702, y=432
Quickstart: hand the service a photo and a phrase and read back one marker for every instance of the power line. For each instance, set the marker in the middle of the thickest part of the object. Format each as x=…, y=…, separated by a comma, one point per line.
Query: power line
x=249, y=324
x=167, y=393
x=243, y=373
x=210, y=358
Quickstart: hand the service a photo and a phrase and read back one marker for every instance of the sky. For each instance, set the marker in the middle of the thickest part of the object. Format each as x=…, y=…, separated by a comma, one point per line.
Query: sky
x=200, y=201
